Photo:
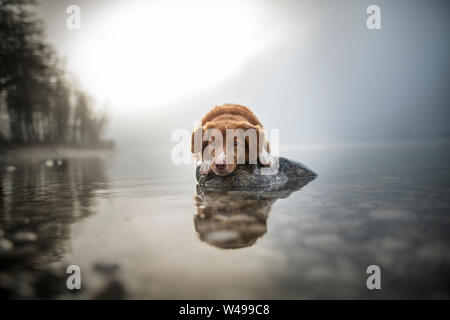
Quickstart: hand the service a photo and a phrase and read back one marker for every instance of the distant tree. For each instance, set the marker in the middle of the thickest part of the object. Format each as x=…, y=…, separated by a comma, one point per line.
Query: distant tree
x=23, y=57
x=38, y=96
x=88, y=126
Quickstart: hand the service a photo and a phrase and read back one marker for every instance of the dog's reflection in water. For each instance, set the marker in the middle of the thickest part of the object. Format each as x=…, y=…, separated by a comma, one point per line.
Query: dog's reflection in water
x=232, y=220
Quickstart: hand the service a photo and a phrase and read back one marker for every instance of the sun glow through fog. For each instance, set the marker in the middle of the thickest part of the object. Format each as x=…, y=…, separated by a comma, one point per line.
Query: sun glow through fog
x=150, y=54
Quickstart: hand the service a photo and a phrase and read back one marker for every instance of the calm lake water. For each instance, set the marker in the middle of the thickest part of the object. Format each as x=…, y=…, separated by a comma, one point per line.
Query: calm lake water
x=135, y=226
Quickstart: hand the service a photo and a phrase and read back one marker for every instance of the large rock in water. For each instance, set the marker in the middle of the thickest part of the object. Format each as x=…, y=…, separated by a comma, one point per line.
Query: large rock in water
x=232, y=211
x=290, y=176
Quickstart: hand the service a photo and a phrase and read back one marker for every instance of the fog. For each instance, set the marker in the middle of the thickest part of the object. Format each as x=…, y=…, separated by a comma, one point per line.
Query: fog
x=321, y=77
x=366, y=110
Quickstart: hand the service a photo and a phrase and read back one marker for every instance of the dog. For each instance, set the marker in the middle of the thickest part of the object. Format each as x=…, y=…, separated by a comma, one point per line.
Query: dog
x=229, y=135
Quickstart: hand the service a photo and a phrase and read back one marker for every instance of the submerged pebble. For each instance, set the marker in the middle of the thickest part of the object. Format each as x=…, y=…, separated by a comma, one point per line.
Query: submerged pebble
x=24, y=290
x=49, y=163
x=114, y=290
x=106, y=268
x=10, y=169
x=24, y=237
x=6, y=281
x=49, y=283
x=5, y=245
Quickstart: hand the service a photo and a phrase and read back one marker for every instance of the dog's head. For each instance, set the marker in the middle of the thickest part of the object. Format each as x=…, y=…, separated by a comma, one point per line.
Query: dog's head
x=224, y=145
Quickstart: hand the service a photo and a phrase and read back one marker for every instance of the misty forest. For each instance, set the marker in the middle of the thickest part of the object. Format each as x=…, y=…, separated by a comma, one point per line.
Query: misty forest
x=40, y=102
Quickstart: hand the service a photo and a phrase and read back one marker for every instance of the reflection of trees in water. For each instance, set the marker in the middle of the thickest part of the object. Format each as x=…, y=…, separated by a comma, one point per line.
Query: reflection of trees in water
x=45, y=201
x=231, y=219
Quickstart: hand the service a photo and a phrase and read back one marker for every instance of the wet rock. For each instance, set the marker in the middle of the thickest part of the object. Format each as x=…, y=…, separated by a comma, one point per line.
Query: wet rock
x=49, y=163
x=114, y=290
x=24, y=290
x=5, y=245
x=24, y=237
x=6, y=286
x=106, y=268
x=6, y=281
x=57, y=162
x=10, y=169
x=249, y=177
x=16, y=285
x=33, y=284
x=232, y=211
x=49, y=284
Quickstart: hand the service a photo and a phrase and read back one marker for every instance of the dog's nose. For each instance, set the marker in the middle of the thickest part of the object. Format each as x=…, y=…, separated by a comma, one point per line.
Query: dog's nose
x=220, y=167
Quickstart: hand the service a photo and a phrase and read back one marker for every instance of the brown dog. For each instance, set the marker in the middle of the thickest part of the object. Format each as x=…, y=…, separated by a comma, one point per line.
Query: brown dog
x=226, y=130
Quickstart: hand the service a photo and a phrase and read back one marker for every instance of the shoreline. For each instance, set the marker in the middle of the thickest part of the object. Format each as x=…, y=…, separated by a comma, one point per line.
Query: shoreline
x=45, y=152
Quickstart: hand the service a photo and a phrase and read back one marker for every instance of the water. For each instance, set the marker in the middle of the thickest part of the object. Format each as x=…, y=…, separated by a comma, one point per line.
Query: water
x=135, y=225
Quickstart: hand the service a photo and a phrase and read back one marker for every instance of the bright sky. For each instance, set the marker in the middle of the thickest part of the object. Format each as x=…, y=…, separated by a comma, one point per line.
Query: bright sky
x=142, y=54
x=312, y=67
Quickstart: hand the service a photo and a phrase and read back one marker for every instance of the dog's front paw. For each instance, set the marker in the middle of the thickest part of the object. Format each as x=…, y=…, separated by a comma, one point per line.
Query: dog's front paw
x=205, y=167
x=266, y=159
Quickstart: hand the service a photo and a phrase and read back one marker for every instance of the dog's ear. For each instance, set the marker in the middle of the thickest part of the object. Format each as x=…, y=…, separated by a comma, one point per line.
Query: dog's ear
x=197, y=140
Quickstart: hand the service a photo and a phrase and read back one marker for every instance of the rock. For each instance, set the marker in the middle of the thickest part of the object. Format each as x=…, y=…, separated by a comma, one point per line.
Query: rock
x=114, y=290
x=290, y=176
x=6, y=283
x=24, y=290
x=49, y=284
x=24, y=237
x=49, y=163
x=106, y=268
x=5, y=245
x=232, y=210
x=10, y=169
